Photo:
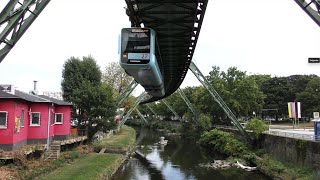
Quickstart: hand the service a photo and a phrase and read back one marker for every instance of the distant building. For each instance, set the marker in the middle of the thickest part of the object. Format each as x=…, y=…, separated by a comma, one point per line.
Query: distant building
x=52, y=94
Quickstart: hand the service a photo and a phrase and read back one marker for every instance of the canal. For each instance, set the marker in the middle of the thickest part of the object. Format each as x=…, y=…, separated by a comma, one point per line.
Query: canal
x=178, y=160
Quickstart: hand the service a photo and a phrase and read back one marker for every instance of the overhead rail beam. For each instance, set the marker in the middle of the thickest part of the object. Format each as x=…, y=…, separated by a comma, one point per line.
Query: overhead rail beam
x=15, y=19
x=178, y=24
x=189, y=104
x=312, y=8
x=171, y=109
x=218, y=99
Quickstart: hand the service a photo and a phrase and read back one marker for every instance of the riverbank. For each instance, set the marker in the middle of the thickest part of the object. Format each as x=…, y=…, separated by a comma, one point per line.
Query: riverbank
x=79, y=163
x=224, y=142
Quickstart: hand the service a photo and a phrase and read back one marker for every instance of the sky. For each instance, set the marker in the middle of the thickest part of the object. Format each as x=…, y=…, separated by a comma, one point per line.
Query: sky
x=273, y=37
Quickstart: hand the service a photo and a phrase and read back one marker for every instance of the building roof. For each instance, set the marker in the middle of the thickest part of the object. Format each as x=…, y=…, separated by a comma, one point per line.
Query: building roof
x=30, y=97
x=56, y=101
x=4, y=95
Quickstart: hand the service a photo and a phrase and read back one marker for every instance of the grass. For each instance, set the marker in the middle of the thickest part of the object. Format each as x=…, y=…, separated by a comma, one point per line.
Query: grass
x=282, y=170
x=122, y=141
x=91, y=166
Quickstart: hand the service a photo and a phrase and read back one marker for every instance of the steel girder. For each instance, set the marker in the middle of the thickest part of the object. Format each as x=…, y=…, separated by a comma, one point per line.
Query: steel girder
x=219, y=100
x=178, y=24
x=312, y=8
x=151, y=109
x=15, y=19
x=139, y=99
x=126, y=93
x=189, y=104
x=141, y=116
x=171, y=109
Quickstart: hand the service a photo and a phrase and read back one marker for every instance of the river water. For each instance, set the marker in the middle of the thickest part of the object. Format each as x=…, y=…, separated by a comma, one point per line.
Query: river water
x=178, y=160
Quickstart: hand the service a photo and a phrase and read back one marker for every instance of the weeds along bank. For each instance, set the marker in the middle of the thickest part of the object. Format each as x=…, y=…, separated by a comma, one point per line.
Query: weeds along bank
x=81, y=162
x=224, y=142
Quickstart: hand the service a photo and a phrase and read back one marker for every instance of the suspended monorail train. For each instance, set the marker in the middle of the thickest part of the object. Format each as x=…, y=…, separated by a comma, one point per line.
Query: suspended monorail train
x=138, y=58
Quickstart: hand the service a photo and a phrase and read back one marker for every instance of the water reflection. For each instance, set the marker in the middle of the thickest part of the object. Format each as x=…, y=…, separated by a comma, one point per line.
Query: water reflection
x=178, y=160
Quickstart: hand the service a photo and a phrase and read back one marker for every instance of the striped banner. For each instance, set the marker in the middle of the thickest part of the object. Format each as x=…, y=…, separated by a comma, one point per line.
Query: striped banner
x=289, y=109
x=293, y=109
x=299, y=109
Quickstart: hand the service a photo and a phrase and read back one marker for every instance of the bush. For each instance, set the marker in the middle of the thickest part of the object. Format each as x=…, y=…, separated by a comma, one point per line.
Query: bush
x=257, y=126
x=223, y=142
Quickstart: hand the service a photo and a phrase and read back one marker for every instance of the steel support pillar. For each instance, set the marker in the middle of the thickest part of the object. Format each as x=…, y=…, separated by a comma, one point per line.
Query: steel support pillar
x=141, y=116
x=126, y=93
x=186, y=100
x=218, y=99
x=151, y=109
x=171, y=109
x=139, y=99
x=15, y=19
x=312, y=8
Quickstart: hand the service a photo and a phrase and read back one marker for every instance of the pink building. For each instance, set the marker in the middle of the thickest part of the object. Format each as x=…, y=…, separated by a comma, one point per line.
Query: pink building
x=31, y=119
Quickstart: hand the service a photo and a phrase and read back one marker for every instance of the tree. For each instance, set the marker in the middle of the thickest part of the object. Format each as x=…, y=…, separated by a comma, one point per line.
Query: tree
x=239, y=91
x=93, y=102
x=116, y=77
x=310, y=98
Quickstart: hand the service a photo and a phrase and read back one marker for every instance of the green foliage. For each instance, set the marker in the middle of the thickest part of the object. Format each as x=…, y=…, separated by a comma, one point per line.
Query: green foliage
x=223, y=142
x=115, y=76
x=192, y=128
x=93, y=101
x=240, y=92
x=257, y=126
x=310, y=97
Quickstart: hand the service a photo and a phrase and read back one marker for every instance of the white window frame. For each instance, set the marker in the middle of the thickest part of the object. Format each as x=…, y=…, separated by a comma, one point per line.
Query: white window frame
x=55, y=118
x=31, y=118
x=4, y=126
x=24, y=119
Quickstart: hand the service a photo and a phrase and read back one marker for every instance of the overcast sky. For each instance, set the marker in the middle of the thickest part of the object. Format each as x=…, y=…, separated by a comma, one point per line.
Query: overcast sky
x=261, y=37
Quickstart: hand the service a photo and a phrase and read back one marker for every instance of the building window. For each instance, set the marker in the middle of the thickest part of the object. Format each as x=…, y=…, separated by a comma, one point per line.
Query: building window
x=35, y=119
x=22, y=118
x=3, y=119
x=59, y=118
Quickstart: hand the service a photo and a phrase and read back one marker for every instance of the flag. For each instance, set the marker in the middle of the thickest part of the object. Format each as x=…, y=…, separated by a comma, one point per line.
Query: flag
x=299, y=109
x=293, y=109
x=289, y=109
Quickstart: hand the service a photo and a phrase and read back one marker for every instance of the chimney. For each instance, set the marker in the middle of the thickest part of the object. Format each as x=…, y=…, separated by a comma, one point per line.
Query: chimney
x=35, y=85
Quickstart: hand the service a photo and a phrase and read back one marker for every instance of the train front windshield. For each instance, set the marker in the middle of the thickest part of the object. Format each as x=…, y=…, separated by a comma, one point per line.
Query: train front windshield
x=135, y=45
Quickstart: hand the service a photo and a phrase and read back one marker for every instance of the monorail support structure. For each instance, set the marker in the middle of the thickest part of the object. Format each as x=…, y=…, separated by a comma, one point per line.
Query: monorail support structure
x=151, y=109
x=189, y=104
x=218, y=99
x=15, y=19
x=126, y=93
x=139, y=99
x=141, y=116
x=171, y=109
x=312, y=8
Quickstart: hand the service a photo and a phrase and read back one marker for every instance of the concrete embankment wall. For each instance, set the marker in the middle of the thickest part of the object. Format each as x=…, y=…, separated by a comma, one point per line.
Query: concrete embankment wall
x=296, y=151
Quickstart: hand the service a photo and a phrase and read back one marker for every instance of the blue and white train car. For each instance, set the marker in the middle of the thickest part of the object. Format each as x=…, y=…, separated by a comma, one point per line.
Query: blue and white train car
x=137, y=58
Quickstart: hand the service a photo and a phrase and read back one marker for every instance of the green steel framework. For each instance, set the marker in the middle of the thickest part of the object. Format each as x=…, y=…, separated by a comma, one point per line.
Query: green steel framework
x=312, y=8
x=219, y=100
x=15, y=19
